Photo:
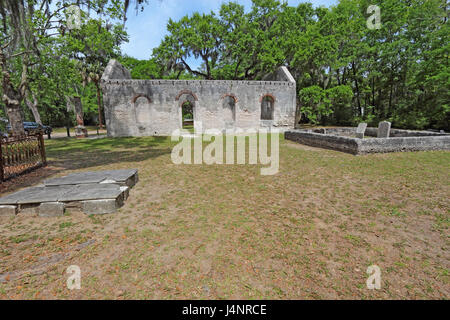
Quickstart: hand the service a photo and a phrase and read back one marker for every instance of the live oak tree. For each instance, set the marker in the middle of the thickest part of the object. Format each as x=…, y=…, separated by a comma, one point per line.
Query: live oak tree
x=27, y=27
x=93, y=45
x=197, y=36
x=142, y=69
x=345, y=71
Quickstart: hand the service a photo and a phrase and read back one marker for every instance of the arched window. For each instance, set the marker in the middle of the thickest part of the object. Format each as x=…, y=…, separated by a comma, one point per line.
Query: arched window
x=229, y=109
x=267, y=104
x=143, y=110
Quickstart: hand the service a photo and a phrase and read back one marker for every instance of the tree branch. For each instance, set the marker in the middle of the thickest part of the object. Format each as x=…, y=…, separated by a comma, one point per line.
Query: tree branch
x=193, y=71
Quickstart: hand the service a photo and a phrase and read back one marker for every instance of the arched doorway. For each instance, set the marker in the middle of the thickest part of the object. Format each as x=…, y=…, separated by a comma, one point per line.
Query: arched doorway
x=187, y=115
x=187, y=101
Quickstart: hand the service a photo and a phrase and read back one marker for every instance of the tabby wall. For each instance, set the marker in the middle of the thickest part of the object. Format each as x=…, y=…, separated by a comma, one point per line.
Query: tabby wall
x=153, y=107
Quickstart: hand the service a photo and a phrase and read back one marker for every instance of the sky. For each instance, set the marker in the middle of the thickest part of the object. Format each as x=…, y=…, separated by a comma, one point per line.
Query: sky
x=148, y=28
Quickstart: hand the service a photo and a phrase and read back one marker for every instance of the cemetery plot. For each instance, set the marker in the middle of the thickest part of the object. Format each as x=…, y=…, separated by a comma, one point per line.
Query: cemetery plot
x=93, y=192
x=363, y=140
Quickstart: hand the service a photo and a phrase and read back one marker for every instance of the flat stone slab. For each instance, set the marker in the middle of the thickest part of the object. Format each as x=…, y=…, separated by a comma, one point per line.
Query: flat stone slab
x=32, y=195
x=123, y=177
x=63, y=194
x=98, y=192
x=91, y=192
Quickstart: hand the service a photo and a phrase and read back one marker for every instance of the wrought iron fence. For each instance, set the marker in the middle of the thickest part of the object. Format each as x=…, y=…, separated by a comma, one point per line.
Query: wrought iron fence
x=21, y=154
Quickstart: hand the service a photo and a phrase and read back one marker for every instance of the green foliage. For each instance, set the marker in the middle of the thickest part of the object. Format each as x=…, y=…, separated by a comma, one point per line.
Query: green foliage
x=51, y=63
x=196, y=36
x=345, y=71
x=314, y=103
x=142, y=69
x=340, y=98
x=326, y=106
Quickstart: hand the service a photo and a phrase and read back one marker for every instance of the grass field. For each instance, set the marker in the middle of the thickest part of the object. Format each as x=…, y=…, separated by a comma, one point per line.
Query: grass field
x=226, y=232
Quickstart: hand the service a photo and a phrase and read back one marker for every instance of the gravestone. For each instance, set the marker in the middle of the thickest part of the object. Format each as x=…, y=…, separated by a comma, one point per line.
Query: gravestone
x=361, y=130
x=384, y=129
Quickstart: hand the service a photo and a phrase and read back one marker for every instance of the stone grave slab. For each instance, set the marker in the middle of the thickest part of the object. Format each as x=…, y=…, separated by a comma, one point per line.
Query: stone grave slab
x=104, y=191
x=90, y=192
x=31, y=195
x=126, y=177
x=63, y=194
x=8, y=210
x=100, y=206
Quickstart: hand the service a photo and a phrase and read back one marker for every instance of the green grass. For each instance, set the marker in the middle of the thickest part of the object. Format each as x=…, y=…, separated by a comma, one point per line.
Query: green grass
x=308, y=232
x=65, y=225
x=189, y=128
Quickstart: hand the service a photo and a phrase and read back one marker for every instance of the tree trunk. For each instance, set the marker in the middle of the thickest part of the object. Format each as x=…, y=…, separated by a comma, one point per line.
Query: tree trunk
x=298, y=117
x=67, y=120
x=15, y=119
x=388, y=113
x=373, y=92
x=11, y=98
x=358, y=101
x=33, y=107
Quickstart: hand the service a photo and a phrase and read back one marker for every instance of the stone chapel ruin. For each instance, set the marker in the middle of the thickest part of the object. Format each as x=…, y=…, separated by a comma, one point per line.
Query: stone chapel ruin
x=136, y=108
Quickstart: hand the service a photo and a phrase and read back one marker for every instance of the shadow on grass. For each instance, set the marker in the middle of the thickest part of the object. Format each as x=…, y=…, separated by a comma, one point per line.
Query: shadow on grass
x=27, y=179
x=71, y=154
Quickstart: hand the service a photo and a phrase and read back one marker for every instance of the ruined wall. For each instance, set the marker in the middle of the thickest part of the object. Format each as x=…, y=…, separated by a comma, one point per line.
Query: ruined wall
x=153, y=107
x=372, y=145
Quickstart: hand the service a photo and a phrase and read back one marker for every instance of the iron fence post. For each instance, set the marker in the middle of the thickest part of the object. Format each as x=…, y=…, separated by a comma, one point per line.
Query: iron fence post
x=1, y=161
x=42, y=145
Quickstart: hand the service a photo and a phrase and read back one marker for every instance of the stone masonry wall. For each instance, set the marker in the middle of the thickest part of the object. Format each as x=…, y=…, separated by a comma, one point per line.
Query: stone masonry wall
x=372, y=145
x=153, y=107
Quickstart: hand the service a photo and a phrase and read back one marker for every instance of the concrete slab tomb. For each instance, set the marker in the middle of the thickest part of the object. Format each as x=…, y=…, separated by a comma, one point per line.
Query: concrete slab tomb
x=98, y=192
x=128, y=177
